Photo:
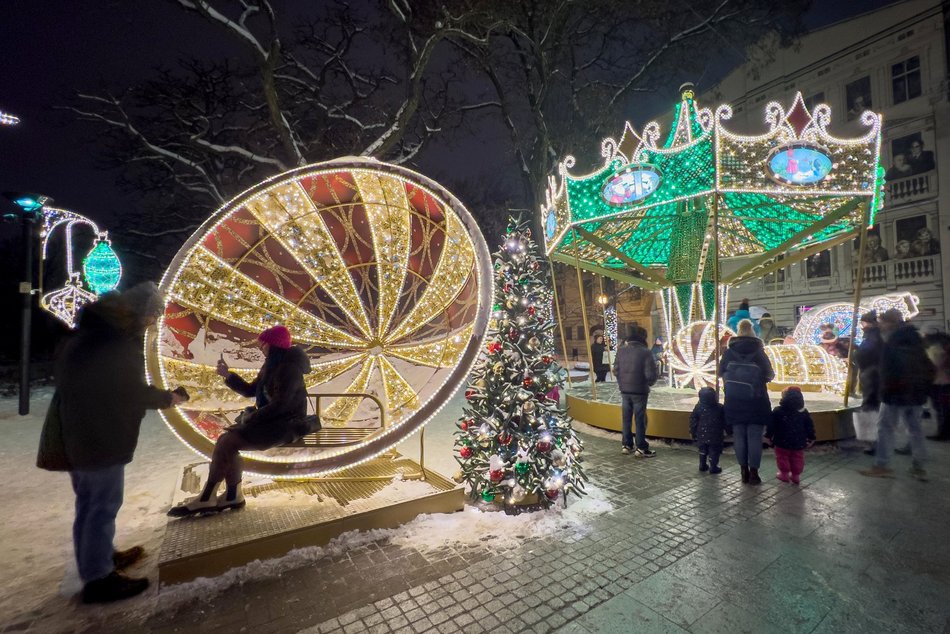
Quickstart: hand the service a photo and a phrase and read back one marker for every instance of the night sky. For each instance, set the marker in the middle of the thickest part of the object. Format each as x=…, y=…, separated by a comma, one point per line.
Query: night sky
x=52, y=49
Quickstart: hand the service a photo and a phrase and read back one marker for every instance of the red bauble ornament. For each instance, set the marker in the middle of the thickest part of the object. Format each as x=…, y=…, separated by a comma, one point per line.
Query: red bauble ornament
x=531, y=310
x=464, y=425
x=513, y=335
x=465, y=452
x=545, y=446
x=504, y=439
x=535, y=266
x=507, y=287
x=528, y=381
x=552, y=494
x=469, y=393
x=546, y=359
x=496, y=476
x=494, y=347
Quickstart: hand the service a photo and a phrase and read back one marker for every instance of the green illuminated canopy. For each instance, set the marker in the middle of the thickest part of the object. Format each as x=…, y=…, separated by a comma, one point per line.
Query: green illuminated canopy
x=792, y=191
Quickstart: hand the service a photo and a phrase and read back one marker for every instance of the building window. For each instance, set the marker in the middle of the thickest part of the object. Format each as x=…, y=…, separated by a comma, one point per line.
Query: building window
x=905, y=79
x=814, y=100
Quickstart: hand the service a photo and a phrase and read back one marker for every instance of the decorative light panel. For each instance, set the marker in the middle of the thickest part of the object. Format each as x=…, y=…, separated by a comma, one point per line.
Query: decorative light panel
x=380, y=274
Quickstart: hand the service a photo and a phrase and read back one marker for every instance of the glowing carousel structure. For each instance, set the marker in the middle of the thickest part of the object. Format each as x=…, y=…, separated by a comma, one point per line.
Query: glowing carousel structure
x=384, y=279
x=690, y=215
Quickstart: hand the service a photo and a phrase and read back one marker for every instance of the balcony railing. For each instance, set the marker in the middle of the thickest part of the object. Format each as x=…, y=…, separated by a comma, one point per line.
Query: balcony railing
x=911, y=188
x=898, y=273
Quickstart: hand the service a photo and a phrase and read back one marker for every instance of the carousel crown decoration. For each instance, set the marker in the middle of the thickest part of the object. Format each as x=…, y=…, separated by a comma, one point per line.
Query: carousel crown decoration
x=708, y=208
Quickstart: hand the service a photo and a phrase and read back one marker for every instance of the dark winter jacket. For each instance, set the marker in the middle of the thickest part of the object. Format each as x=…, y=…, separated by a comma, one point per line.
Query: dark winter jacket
x=868, y=359
x=754, y=411
x=635, y=368
x=791, y=426
x=102, y=393
x=597, y=354
x=906, y=371
x=281, y=396
x=707, y=423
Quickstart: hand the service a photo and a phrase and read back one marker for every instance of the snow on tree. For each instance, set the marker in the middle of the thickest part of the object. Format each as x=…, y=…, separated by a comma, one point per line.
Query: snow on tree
x=514, y=441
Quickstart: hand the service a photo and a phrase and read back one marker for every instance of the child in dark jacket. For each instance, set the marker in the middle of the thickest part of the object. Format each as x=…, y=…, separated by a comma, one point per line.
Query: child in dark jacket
x=791, y=431
x=707, y=426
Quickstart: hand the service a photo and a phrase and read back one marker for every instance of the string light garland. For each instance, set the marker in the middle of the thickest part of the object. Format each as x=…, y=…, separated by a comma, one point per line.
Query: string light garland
x=380, y=274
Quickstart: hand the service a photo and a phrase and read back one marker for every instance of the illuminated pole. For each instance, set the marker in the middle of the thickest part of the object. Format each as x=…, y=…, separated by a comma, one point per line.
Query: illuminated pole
x=602, y=300
x=31, y=205
x=560, y=324
x=858, y=285
x=580, y=288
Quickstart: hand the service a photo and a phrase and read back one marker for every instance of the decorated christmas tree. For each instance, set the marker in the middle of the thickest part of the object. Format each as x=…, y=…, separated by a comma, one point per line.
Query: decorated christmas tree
x=515, y=443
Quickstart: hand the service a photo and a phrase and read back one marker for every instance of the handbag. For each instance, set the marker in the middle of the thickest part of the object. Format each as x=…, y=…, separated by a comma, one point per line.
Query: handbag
x=52, y=452
x=865, y=425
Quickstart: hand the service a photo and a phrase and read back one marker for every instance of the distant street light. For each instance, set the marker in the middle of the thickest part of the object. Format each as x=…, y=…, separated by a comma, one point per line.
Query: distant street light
x=8, y=119
x=30, y=205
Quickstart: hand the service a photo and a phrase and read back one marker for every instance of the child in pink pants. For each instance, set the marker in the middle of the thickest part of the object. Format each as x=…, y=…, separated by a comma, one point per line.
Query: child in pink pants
x=790, y=430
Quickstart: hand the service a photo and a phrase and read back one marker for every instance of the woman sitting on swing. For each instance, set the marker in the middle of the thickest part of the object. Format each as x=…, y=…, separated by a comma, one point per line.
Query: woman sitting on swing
x=279, y=417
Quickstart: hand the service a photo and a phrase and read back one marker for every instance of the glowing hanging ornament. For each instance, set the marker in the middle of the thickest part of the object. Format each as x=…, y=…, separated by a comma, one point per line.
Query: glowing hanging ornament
x=101, y=268
x=65, y=302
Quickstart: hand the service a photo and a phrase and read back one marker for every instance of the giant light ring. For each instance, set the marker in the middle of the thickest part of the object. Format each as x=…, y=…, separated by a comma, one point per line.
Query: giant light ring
x=459, y=241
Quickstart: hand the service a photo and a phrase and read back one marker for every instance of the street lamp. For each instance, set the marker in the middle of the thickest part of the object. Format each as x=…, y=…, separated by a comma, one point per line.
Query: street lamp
x=30, y=205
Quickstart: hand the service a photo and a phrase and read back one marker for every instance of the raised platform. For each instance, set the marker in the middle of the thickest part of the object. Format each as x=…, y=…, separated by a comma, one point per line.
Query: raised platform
x=669, y=408
x=283, y=515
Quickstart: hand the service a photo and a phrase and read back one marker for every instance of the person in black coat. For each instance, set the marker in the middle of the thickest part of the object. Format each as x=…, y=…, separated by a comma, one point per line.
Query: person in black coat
x=867, y=357
x=281, y=405
x=635, y=370
x=707, y=426
x=907, y=375
x=101, y=397
x=790, y=431
x=746, y=372
x=597, y=350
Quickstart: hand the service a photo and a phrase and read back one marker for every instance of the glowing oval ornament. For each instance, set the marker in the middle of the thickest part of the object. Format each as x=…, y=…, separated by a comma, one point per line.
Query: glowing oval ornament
x=382, y=277
x=799, y=164
x=633, y=184
x=550, y=225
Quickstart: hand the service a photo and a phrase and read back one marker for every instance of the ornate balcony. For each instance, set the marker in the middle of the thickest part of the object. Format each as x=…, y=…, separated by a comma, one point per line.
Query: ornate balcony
x=911, y=188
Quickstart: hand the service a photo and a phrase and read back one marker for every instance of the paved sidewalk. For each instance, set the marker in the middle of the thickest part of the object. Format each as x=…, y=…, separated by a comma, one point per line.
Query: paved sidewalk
x=681, y=552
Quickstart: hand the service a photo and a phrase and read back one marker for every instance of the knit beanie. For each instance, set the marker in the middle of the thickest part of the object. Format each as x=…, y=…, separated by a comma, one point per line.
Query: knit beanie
x=744, y=304
x=277, y=336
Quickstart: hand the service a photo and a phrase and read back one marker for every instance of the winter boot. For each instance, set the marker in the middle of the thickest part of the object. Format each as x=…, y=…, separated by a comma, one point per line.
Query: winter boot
x=714, y=467
x=207, y=502
x=745, y=473
x=122, y=559
x=231, y=499
x=113, y=587
x=702, y=462
x=754, y=477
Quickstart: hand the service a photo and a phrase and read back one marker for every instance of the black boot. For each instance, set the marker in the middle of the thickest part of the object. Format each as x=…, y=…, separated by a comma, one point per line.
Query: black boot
x=702, y=462
x=112, y=588
x=714, y=467
x=754, y=477
x=745, y=473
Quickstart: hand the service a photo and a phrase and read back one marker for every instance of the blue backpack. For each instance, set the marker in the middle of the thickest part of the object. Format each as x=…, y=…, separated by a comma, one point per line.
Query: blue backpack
x=743, y=379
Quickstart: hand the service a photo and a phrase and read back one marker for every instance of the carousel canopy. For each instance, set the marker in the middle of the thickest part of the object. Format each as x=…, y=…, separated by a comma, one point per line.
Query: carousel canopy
x=647, y=215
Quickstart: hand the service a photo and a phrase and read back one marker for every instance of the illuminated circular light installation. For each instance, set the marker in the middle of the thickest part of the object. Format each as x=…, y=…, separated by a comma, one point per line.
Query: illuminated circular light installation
x=382, y=277
x=693, y=354
x=838, y=314
x=632, y=184
x=799, y=164
x=101, y=268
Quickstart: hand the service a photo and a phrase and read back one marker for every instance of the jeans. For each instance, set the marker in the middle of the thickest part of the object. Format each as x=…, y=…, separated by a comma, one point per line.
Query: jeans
x=634, y=407
x=887, y=424
x=98, y=499
x=790, y=462
x=748, y=444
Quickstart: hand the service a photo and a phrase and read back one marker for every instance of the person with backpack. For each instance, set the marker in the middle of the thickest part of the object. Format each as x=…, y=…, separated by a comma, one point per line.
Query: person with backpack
x=746, y=373
x=907, y=375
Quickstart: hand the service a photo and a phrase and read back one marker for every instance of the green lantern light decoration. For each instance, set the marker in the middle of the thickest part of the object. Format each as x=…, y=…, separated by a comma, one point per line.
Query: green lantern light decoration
x=101, y=267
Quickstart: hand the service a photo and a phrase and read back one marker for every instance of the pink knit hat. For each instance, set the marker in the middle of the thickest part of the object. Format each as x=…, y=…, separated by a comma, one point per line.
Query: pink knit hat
x=276, y=336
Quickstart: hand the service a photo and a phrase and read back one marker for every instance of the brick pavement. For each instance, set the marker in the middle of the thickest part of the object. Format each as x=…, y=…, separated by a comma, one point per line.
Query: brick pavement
x=680, y=552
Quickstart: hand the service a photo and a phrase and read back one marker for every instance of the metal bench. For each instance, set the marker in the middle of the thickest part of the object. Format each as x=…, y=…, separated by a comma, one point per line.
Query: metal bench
x=339, y=436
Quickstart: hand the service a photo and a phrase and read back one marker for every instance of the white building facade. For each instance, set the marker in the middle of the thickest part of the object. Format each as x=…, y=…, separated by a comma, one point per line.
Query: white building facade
x=893, y=61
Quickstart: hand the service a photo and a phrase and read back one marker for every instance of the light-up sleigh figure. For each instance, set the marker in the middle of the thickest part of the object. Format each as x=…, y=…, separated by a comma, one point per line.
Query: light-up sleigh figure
x=705, y=209
x=380, y=274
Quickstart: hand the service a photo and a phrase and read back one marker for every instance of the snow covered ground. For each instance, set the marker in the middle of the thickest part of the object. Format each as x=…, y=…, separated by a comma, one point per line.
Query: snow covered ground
x=38, y=579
